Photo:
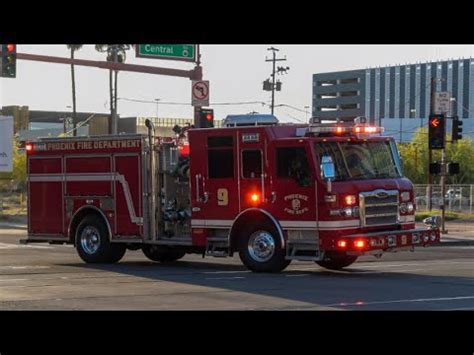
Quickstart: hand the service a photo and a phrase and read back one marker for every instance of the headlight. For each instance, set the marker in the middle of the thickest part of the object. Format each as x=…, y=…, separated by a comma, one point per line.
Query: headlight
x=405, y=196
x=403, y=208
x=410, y=207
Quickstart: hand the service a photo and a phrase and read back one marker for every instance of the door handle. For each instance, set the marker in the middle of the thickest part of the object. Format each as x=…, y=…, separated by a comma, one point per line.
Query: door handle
x=198, y=195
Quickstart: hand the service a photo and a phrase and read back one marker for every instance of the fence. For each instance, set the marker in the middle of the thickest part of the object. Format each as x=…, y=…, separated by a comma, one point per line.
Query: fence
x=458, y=198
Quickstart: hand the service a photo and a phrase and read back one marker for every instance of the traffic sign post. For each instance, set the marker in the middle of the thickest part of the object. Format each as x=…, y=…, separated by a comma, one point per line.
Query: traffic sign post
x=183, y=52
x=200, y=93
x=442, y=102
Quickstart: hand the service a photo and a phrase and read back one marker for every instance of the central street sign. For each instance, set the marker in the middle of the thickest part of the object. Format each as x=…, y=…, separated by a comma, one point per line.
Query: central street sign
x=185, y=52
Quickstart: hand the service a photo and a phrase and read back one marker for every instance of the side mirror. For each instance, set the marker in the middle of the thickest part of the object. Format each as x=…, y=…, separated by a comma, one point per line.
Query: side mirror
x=327, y=168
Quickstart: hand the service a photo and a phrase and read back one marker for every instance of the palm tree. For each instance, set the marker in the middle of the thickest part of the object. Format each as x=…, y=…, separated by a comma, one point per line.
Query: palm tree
x=115, y=53
x=73, y=48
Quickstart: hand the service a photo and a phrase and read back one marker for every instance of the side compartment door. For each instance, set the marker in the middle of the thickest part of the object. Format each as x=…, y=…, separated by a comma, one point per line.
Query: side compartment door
x=214, y=182
x=45, y=195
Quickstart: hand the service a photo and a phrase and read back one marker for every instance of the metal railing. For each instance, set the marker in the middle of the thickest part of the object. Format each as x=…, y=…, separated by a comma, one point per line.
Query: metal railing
x=458, y=198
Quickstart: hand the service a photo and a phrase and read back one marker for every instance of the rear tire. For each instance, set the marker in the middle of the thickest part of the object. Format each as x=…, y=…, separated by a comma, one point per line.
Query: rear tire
x=93, y=244
x=336, y=261
x=162, y=254
x=261, y=250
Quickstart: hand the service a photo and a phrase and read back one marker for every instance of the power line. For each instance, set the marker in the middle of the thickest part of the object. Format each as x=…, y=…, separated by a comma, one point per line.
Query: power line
x=189, y=103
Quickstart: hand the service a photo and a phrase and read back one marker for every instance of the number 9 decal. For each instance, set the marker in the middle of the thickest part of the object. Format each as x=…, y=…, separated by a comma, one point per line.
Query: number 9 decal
x=222, y=197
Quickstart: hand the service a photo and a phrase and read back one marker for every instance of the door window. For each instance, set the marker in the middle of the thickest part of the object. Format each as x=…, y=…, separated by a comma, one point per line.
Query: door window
x=251, y=164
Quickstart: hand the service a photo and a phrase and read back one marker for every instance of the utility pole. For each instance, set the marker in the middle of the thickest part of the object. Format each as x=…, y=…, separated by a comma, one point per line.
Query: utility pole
x=280, y=70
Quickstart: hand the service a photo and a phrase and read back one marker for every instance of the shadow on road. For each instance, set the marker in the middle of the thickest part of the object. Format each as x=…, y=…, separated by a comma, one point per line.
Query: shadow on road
x=355, y=288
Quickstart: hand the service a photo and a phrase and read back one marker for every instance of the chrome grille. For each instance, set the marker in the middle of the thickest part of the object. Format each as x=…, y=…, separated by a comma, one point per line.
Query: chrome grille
x=379, y=207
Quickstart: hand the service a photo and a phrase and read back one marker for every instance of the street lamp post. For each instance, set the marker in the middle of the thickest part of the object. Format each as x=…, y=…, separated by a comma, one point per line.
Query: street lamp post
x=306, y=111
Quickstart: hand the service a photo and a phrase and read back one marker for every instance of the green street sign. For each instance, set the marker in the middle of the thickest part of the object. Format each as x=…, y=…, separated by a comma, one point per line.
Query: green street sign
x=186, y=52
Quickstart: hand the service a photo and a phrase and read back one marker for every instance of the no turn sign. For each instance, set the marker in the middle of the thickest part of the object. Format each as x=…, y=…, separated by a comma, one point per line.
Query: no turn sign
x=200, y=93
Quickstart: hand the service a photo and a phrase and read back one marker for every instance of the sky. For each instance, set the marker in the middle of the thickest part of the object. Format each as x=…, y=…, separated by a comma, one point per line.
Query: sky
x=236, y=74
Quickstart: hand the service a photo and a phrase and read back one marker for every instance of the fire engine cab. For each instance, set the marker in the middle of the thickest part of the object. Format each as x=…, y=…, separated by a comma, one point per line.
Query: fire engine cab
x=270, y=192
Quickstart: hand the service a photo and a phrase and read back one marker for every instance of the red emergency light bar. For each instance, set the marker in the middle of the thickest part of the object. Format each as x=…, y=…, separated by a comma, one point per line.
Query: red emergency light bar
x=359, y=127
x=340, y=130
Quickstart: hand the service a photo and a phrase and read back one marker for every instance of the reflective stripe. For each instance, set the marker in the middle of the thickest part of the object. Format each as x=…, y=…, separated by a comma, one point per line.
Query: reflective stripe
x=220, y=223
x=217, y=223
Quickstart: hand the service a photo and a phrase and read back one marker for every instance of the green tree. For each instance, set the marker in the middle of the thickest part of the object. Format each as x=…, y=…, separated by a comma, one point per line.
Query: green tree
x=115, y=53
x=415, y=158
x=17, y=179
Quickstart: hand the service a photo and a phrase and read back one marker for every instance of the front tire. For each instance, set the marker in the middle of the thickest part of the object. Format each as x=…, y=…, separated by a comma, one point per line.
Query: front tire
x=93, y=244
x=336, y=261
x=261, y=250
x=162, y=255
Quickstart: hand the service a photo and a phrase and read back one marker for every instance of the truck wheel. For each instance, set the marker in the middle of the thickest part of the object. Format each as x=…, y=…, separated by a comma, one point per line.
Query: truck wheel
x=336, y=261
x=162, y=255
x=93, y=245
x=261, y=250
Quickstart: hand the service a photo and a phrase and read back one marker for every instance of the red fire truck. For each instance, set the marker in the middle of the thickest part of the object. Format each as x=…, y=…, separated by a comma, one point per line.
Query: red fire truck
x=270, y=192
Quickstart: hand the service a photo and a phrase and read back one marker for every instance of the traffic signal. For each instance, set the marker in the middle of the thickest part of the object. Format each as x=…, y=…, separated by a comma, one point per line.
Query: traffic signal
x=8, y=60
x=457, y=129
x=435, y=168
x=206, y=118
x=436, y=131
x=453, y=168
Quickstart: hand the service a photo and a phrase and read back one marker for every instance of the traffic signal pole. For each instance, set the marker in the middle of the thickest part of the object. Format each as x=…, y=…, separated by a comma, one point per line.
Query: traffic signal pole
x=193, y=74
x=430, y=156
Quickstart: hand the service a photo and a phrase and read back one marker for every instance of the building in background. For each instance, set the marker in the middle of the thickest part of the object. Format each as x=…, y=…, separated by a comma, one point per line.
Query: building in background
x=396, y=97
x=33, y=124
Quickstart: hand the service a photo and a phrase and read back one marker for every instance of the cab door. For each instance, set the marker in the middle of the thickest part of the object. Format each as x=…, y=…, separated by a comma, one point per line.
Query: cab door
x=293, y=186
x=252, y=170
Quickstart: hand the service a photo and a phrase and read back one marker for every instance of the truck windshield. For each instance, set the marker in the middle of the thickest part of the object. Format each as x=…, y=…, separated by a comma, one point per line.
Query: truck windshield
x=362, y=160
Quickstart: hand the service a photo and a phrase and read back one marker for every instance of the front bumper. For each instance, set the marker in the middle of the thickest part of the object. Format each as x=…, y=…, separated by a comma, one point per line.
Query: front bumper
x=384, y=241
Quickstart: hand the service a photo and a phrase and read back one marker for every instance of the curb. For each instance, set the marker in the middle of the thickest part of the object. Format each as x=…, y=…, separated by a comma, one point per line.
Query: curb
x=13, y=225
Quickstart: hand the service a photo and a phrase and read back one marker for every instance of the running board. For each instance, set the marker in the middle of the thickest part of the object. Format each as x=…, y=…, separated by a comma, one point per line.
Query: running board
x=303, y=252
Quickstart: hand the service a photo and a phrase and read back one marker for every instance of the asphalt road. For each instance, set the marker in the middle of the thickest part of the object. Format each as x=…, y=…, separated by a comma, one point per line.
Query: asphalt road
x=42, y=276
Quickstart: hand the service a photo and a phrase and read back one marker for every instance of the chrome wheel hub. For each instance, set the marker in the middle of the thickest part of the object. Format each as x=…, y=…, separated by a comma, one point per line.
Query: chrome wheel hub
x=261, y=246
x=90, y=240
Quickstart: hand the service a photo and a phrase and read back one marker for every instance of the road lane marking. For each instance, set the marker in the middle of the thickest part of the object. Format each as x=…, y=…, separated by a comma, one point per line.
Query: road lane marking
x=226, y=272
x=225, y=278
x=439, y=299
x=23, y=267
x=297, y=275
x=6, y=280
x=4, y=246
x=382, y=265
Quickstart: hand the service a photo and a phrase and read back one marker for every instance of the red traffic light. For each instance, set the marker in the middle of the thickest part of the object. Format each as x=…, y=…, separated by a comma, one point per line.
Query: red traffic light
x=209, y=117
x=434, y=122
x=11, y=47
